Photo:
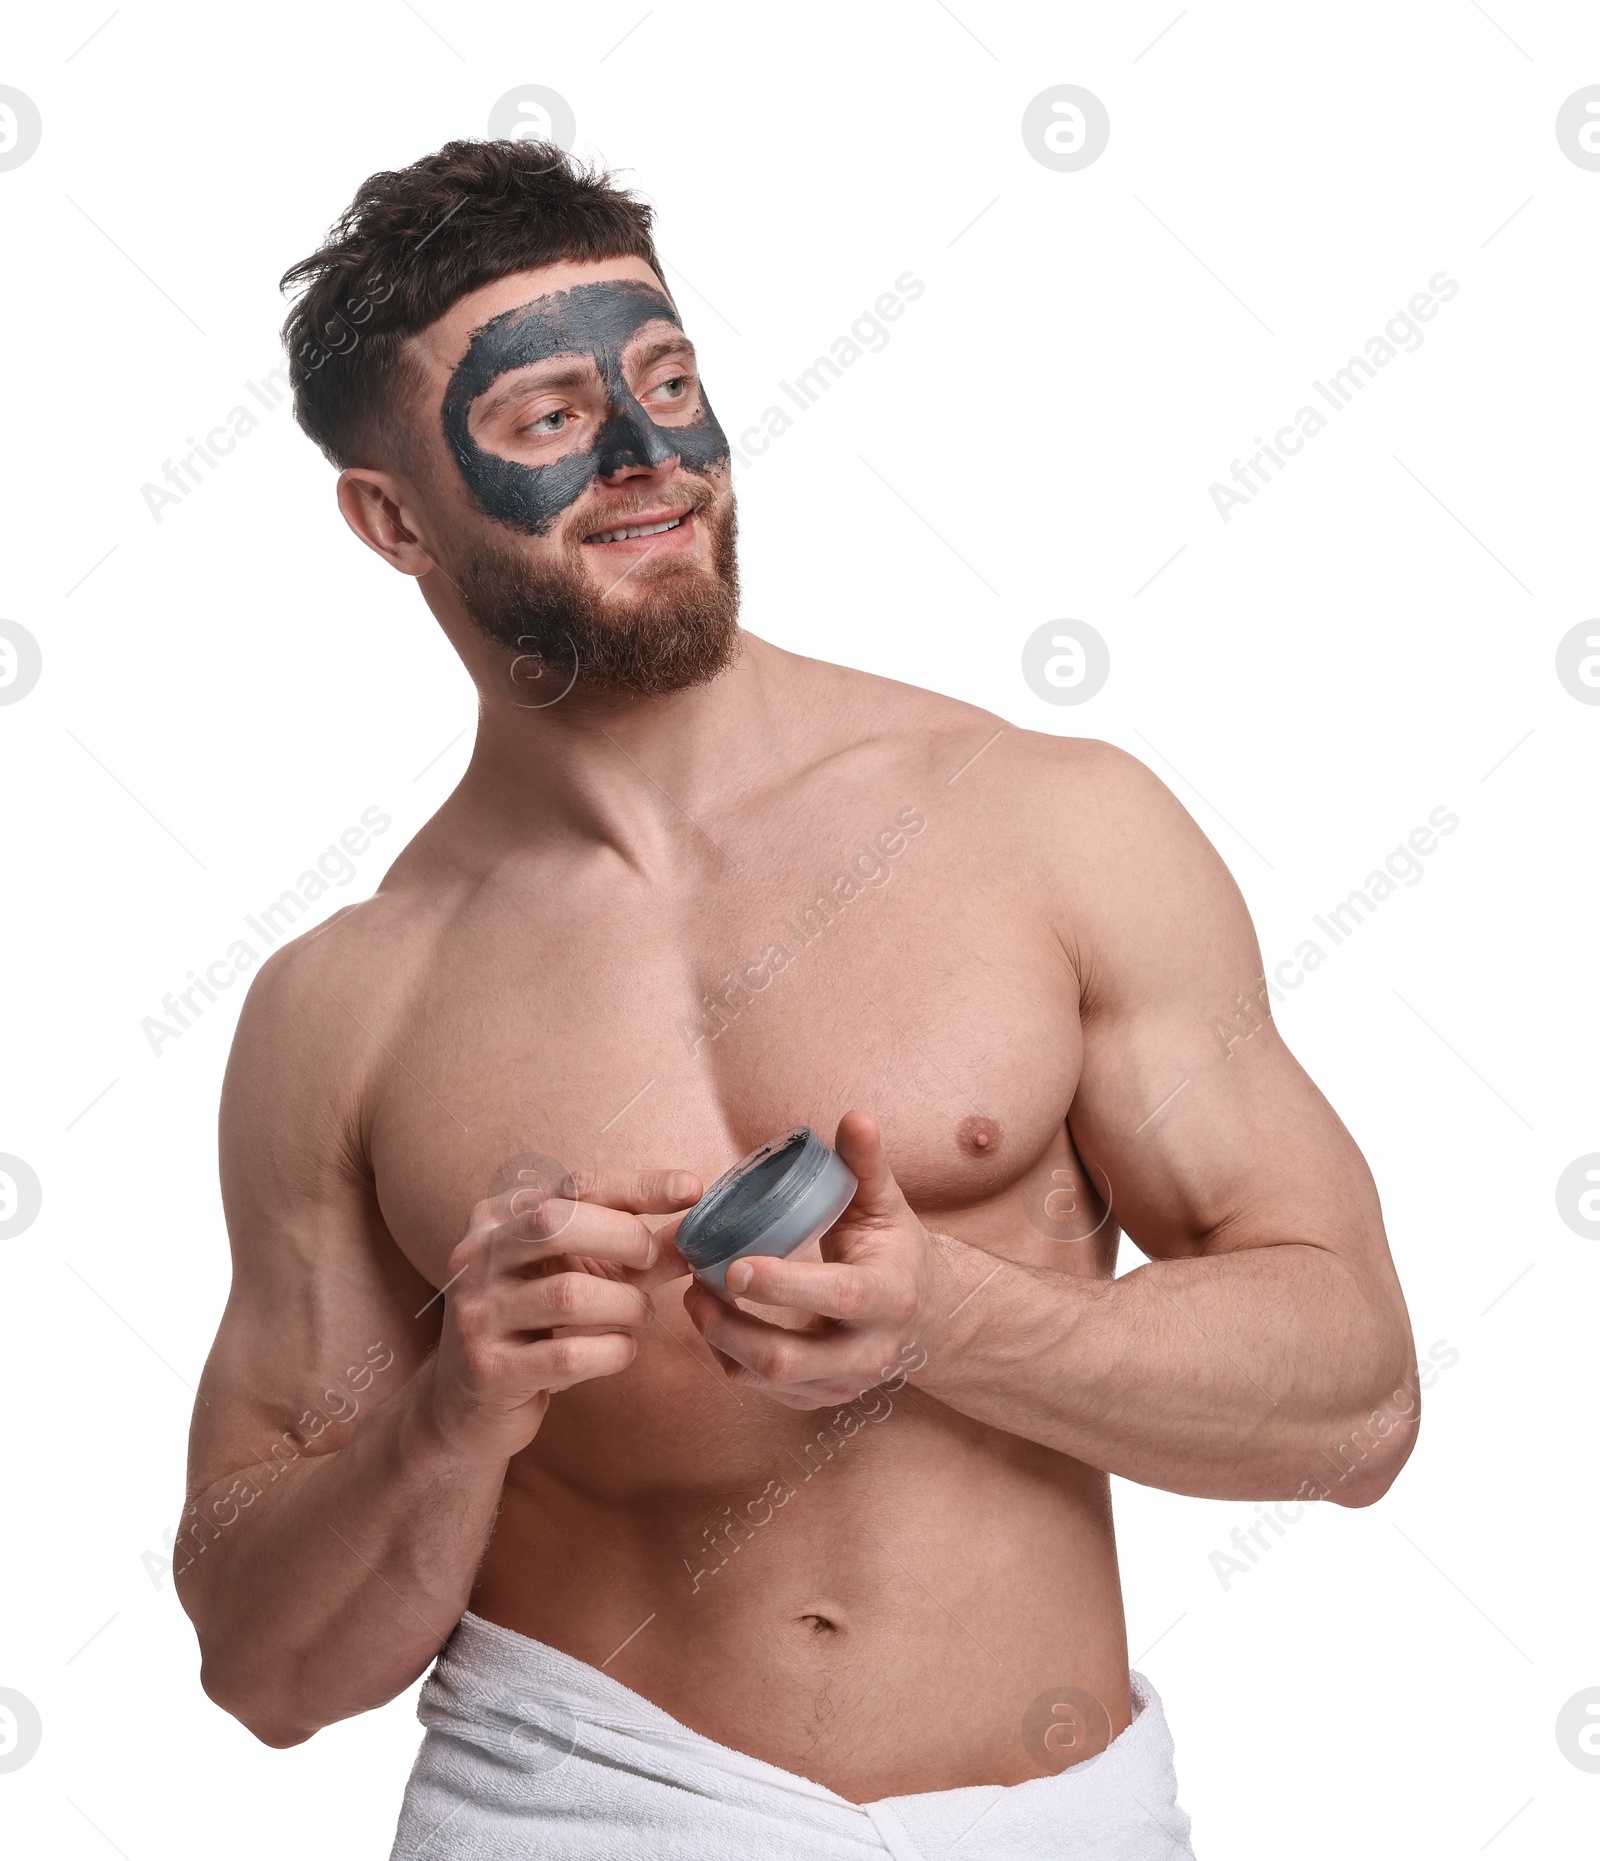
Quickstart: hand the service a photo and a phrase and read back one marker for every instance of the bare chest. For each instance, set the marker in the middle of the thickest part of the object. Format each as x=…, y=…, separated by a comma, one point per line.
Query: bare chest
x=615, y=1026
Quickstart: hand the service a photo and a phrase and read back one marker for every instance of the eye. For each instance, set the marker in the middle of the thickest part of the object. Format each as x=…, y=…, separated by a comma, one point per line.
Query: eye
x=674, y=388
x=548, y=423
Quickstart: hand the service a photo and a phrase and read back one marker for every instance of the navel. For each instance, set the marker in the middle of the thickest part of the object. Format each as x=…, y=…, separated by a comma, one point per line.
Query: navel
x=978, y=1137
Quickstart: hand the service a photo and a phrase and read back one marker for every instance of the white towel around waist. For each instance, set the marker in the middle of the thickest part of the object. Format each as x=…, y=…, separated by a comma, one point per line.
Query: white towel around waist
x=530, y=1753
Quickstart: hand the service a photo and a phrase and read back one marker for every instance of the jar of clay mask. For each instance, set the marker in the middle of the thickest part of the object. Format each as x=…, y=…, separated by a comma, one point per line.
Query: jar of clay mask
x=787, y=1192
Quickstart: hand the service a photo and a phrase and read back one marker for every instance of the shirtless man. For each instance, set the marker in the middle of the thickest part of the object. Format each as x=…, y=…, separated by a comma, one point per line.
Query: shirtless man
x=848, y=1539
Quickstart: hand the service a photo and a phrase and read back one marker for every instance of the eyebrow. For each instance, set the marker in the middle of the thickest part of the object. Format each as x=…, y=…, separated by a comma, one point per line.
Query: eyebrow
x=651, y=353
x=577, y=375
x=574, y=375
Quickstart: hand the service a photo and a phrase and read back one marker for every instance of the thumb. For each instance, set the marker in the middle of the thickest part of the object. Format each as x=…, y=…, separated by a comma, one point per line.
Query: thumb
x=878, y=1200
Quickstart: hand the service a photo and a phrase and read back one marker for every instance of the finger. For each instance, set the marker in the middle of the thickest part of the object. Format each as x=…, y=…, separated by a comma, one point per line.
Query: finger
x=768, y=1351
x=641, y=1192
x=829, y=1290
x=532, y=1211
x=878, y=1198
x=558, y=1363
x=585, y=1300
x=667, y=1266
x=801, y=1399
x=558, y=1226
x=636, y=1192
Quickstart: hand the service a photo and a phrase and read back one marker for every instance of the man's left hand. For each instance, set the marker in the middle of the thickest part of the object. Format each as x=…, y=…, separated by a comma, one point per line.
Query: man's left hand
x=881, y=1284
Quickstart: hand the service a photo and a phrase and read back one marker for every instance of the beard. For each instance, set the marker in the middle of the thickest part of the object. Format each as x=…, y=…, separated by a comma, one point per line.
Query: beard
x=663, y=627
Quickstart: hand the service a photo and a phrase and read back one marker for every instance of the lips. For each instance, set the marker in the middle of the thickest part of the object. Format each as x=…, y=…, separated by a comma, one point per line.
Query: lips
x=645, y=527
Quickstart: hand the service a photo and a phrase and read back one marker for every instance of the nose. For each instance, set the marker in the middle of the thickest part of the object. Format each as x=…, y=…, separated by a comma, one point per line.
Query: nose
x=631, y=442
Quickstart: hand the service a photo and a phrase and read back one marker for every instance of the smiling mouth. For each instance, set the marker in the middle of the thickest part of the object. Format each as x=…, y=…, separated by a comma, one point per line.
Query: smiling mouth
x=626, y=532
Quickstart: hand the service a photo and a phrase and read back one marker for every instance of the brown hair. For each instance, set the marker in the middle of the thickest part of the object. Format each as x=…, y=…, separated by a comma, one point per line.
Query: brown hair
x=411, y=243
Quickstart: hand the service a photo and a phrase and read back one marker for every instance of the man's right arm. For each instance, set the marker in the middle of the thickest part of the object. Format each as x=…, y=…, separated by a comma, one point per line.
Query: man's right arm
x=349, y=1446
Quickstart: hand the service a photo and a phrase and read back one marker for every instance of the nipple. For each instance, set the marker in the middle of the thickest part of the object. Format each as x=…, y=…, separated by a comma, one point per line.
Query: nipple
x=978, y=1137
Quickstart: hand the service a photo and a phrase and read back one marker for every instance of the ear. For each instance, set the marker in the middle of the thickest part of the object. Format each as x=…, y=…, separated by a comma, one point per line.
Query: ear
x=376, y=505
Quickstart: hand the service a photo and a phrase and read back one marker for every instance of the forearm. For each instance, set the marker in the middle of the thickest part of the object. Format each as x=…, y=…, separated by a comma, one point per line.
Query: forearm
x=1262, y=1373
x=323, y=1588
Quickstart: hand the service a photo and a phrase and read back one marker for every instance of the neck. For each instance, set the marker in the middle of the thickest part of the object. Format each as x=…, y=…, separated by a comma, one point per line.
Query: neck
x=643, y=776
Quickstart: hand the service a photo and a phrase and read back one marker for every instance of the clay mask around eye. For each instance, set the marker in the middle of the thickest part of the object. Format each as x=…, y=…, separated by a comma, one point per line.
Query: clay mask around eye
x=594, y=320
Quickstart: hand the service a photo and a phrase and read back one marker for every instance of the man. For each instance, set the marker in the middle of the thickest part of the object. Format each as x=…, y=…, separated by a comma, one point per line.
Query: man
x=826, y=1567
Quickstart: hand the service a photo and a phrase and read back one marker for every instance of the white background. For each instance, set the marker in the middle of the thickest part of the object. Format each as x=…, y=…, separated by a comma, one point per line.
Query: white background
x=1373, y=637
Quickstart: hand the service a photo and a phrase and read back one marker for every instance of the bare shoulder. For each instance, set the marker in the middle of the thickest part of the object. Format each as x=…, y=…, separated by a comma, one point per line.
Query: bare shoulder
x=1120, y=864
x=1077, y=827
x=306, y=1048
x=1142, y=902
x=928, y=735
x=1096, y=798
x=1083, y=793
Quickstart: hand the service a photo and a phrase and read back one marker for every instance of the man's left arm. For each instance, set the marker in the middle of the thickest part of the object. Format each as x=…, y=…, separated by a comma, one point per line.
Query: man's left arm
x=1264, y=1352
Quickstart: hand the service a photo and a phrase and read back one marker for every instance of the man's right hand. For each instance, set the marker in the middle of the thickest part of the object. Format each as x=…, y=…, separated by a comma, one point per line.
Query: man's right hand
x=548, y=1287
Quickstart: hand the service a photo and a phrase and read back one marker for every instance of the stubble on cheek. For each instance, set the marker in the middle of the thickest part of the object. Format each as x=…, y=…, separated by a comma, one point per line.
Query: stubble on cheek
x=657, y=627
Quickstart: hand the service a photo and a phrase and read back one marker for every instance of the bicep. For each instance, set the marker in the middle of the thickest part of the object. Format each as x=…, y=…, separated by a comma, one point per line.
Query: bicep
x=1210, y=1132
x=322, y=1319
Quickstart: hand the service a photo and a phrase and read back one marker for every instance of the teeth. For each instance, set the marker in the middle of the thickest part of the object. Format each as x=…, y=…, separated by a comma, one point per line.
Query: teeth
x=648, y=529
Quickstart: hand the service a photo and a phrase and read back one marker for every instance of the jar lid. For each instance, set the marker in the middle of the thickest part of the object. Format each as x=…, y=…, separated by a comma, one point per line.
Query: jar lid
x=769, y=1202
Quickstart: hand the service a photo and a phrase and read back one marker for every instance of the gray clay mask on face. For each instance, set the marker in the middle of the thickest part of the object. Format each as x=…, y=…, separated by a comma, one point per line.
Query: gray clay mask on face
x=593, y=320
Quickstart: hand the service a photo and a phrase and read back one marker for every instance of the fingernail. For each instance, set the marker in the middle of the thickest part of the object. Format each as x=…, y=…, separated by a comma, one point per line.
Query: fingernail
x=680, y=1185
x=739, y=1276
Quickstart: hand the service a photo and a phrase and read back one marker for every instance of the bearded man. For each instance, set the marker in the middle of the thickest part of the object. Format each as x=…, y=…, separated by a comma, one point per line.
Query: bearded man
x=822, y=1563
